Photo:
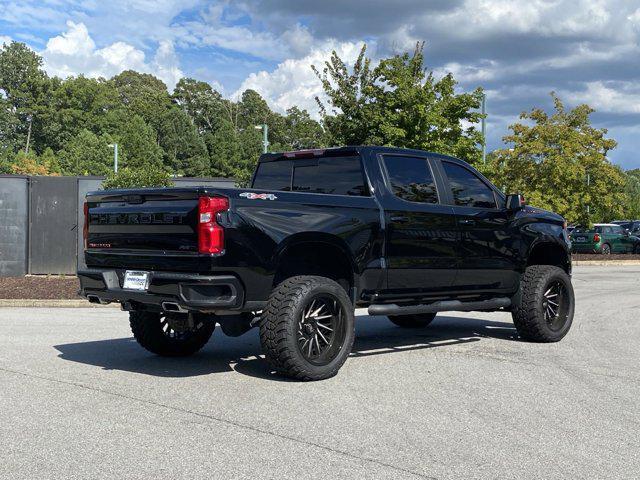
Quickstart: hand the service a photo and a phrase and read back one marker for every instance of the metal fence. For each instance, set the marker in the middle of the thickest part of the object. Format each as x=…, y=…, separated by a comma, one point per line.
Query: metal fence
x=40, y=219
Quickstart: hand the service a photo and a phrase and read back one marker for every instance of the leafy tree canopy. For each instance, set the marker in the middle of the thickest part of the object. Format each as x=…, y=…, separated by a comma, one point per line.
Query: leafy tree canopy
x=137, y=178
x=399, y=104
x=559, y=162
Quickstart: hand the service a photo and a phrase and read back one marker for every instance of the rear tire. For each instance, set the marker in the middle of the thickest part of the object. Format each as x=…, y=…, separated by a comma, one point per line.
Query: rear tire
x=606, y=249
x=546, y=310
x=168, y=336
x=307, y=328
x=413, y=321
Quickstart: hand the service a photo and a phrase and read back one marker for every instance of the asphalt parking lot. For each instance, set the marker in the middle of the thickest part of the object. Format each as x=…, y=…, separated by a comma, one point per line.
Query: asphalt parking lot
x=461, y=399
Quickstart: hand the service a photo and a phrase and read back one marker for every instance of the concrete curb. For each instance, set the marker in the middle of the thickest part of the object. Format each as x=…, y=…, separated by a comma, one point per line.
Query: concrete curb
x=604, y=263
x=49, y=303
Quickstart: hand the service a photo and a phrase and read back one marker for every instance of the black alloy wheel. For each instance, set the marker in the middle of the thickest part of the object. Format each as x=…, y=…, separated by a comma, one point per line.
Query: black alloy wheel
x=555, y=305
x=321, y=329
x=307, y=328
x=171, y=334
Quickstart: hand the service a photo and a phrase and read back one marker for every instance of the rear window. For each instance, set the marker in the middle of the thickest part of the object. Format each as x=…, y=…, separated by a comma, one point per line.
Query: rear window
x=273, y=176
x=328, y=175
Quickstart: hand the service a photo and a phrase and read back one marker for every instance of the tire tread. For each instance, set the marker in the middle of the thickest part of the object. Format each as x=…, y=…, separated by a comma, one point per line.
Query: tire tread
x=274, y=333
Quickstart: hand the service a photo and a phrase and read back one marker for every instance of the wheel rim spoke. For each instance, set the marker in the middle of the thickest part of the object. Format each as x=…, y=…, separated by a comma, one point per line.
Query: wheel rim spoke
x=555, y=307
x=320, y=329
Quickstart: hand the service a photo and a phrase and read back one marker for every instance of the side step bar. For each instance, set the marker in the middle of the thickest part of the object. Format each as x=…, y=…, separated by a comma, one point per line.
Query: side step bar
x=443, y=306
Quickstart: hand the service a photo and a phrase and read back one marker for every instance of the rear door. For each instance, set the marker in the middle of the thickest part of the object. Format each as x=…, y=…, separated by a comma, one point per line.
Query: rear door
x=420, y=229
x=623, y=240
x=488, y=250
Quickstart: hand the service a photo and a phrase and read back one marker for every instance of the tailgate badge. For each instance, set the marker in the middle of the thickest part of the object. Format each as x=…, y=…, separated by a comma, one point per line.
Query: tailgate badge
x=258, y=196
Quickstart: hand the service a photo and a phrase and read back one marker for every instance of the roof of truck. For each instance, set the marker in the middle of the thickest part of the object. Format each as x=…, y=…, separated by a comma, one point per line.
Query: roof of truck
x=344, y=151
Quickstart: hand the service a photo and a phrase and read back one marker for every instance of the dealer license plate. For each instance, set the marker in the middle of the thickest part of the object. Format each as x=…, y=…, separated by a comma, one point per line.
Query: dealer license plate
x=134, y=280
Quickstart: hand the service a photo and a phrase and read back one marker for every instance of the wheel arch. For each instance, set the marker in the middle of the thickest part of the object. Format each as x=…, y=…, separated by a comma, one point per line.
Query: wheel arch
x=549, y=253
x=315, y=253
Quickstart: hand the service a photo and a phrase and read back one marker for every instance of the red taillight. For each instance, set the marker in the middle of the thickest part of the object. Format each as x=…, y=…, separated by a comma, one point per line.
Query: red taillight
x=85, y=228
x=596, y=238
x=210, y=234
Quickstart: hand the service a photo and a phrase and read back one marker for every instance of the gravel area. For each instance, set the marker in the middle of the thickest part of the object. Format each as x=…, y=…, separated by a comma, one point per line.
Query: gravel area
x=39, y=287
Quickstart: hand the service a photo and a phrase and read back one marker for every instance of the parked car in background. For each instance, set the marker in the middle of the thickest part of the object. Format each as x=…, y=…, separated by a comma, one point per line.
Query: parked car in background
x=632, y=225
x=605, y=238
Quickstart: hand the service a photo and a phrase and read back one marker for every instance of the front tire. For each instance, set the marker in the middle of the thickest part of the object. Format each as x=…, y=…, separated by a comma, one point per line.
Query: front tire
x=413, y=321
x=307, y=328
x=545, y=313
x=171, y=335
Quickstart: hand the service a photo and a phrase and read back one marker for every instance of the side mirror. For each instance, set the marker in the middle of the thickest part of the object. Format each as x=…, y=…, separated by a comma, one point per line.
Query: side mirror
x=626, y=232
x=515, y=202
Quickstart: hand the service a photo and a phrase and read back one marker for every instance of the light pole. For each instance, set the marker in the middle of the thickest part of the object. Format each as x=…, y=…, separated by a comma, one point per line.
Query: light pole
x=115, y=156
x=30, y=120
x=265, y=141
x=484, y=127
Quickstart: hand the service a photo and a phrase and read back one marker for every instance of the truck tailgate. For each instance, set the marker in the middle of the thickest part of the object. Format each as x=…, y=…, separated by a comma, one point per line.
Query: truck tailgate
x=143, y=229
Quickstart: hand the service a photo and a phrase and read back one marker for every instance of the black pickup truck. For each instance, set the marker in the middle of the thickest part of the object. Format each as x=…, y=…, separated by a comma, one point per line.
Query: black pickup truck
x=405, y=233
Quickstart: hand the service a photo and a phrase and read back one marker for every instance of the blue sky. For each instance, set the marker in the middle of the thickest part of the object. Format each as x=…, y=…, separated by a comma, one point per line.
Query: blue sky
x=588, y=51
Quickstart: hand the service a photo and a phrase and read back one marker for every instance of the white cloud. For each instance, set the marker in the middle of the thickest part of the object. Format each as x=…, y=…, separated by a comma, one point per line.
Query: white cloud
x=215, y=28
x=293, y=82
x=609, y=97
x=74, y=52
x=4, y=39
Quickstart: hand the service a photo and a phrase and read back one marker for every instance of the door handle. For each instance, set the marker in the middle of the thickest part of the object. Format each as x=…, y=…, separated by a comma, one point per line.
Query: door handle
x=466, y=221
x=400, y=219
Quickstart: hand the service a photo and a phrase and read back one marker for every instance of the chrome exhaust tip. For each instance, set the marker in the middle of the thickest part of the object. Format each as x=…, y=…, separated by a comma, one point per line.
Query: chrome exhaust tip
x=172, y=307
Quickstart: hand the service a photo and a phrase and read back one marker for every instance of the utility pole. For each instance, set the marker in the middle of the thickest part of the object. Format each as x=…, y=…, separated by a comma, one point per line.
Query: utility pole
x=588, y=184
x=265, y=140
x=484, y=127
x=30, y=120
x=115, y=156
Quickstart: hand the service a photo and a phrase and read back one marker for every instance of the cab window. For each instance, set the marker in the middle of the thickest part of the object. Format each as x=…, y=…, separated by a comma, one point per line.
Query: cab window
x=410, y=178
x=467, y=188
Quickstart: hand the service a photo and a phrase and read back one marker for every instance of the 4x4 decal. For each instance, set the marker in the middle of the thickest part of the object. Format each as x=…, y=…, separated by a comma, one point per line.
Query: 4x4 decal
x=258, y=196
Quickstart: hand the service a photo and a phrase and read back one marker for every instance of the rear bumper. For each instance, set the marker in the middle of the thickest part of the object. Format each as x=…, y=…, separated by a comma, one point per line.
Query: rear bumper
x=585, y=248
x=186, y=291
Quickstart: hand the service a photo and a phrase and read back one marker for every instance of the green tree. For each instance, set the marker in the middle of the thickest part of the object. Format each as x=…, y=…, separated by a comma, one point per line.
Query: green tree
x=25, y=87
x=301, y=131
x=87, y=154
x=49, y=160
x=559, y=162
x=32, y=164
x=185, y=152
x=137, y=143
x=79, y=103
x=204, y=105
x=632, y=190
x=138, y=178
x=224, y=150
x=10, y=138
x=398, y=103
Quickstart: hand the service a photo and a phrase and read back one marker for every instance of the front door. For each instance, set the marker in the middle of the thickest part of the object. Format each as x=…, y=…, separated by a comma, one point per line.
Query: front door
x=420, y=230
x=488, y=250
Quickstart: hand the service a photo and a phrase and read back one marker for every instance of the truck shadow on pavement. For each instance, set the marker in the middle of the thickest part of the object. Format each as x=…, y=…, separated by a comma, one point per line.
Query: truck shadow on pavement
x=374, y=336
